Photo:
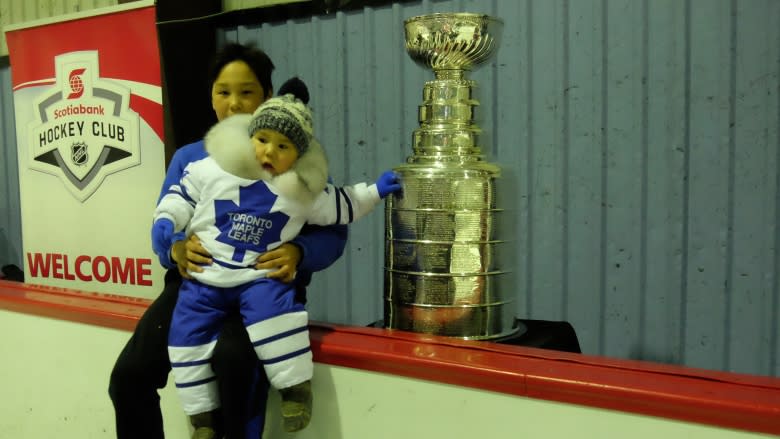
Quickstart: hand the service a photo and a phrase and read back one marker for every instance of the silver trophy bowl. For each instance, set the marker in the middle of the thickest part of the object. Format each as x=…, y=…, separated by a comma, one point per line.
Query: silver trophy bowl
x=447, y=258
x=452, y=42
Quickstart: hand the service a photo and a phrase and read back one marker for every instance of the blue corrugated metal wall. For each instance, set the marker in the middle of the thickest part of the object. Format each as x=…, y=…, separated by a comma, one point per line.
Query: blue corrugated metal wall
x=641, y=141
x=10, y=213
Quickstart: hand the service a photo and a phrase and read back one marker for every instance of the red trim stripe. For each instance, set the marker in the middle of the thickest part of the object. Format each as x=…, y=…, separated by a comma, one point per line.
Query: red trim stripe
x=151, y=112
x=721, y=399
x=126, y=51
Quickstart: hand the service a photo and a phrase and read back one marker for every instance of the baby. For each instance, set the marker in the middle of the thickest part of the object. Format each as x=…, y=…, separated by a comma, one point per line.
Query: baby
x=265, y=177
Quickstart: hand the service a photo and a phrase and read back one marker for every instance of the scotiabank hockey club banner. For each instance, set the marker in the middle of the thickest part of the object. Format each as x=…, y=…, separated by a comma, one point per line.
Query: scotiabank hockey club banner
x=89, y=127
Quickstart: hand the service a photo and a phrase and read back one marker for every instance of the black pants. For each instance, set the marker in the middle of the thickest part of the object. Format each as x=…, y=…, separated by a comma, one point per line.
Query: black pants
x=143, y=367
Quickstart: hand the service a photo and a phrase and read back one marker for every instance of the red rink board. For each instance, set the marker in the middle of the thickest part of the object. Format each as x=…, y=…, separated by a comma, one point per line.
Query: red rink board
x=721, y=399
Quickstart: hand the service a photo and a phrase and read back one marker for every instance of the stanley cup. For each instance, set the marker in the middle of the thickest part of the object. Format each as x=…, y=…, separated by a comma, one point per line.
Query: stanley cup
x=444, y=269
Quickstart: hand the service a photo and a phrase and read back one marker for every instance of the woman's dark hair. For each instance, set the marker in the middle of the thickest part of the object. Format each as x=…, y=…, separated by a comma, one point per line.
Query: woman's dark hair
x=256, y=59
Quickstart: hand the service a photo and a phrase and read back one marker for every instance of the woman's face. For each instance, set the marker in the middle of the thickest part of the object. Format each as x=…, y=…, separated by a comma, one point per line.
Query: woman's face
x=236, y=90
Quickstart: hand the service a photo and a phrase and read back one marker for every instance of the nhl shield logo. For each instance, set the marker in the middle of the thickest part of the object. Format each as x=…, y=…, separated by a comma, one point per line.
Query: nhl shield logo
x=78, y=154
x=86, y=119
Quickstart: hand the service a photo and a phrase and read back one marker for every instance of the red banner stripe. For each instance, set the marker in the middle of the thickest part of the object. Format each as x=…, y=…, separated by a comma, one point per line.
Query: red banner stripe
x=151, y=112
x=125, y=52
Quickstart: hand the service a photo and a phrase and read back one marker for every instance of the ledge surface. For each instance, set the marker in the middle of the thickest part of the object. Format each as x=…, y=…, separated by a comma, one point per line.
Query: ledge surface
x=721, y=399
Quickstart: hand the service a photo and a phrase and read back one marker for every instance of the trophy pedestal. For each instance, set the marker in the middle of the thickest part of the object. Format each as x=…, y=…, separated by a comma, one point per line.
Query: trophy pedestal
x=541, y=334
x=544, y=334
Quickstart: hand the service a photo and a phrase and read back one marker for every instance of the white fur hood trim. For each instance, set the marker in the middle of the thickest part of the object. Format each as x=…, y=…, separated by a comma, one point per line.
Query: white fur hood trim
x=229, y=144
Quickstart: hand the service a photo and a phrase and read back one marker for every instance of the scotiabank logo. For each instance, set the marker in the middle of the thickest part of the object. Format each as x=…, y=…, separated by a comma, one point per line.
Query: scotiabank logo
x=76, y=84
x=84, y=129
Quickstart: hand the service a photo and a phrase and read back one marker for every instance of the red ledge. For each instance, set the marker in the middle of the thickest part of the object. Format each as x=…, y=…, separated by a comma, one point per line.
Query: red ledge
x=119, y=312
x=722, y=399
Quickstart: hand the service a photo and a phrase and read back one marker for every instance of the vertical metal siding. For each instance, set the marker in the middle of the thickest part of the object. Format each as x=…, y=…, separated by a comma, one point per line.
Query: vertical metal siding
x=20, y=11
x=10, y=211
x=231, y=5
x=640, y=139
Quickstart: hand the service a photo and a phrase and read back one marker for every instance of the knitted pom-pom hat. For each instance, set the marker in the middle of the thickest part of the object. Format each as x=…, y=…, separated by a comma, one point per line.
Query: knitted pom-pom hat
x=287, y=114
x=228, y=144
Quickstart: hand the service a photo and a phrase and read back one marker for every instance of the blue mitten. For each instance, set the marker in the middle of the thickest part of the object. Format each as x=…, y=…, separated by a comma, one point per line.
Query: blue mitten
x=162, y=236
x=388, y=183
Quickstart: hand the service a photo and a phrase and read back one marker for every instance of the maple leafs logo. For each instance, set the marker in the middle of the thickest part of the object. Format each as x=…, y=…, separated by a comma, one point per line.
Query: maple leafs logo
x=250, y=224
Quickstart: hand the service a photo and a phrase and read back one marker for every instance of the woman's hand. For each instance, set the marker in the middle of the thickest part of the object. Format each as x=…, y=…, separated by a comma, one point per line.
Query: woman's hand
x=284, y=258
x=189, y=255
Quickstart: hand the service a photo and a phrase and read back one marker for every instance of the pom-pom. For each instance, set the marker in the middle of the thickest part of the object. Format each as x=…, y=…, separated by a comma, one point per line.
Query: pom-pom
x=297, y=88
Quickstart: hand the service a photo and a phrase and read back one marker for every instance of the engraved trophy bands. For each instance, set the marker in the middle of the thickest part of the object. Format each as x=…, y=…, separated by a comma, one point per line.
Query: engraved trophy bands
x=444, y=273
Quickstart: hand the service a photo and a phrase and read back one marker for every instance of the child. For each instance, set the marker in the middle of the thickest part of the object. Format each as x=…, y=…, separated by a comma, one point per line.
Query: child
x=248, y=196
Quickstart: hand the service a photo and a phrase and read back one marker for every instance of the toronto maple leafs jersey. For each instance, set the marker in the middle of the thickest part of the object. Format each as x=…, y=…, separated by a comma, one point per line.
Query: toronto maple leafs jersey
x=237, y=219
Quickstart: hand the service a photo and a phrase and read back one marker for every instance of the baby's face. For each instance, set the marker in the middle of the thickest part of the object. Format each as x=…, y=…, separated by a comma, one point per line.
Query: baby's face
x=274, y=151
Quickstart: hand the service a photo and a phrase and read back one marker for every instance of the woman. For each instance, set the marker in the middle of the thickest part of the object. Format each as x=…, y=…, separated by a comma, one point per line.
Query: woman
x=240, y=82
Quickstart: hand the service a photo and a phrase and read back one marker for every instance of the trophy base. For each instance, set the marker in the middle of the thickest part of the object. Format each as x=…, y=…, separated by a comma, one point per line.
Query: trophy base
x=545, y=334
x=542, y=334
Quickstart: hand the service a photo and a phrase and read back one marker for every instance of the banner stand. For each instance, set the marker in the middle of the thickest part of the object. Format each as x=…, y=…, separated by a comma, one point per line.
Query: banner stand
x=89, y=128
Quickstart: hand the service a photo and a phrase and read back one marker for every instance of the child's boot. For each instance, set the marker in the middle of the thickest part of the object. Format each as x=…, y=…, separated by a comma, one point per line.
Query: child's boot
x=205, y=425
x=296, y=406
